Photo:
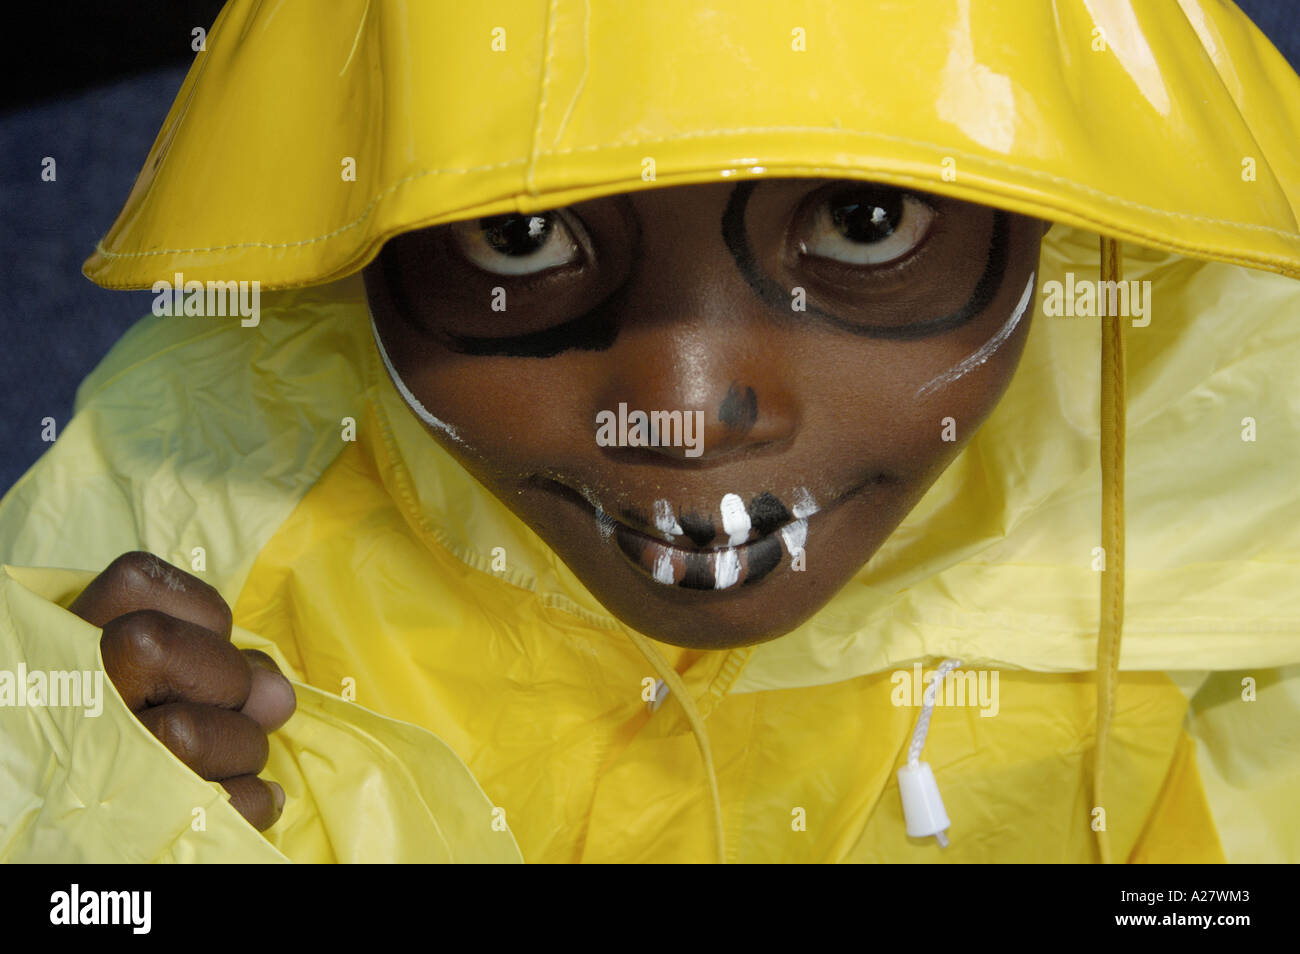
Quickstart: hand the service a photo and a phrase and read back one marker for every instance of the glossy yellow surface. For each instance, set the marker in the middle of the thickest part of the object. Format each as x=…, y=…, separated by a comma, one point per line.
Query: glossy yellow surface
x=1173, y=125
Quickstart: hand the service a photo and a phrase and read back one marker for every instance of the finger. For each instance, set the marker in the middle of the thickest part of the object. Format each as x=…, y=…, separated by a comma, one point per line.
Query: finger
x=216, y=743
x=140, y=580
x=261, y=803
x=271, y=700
x=154, y=659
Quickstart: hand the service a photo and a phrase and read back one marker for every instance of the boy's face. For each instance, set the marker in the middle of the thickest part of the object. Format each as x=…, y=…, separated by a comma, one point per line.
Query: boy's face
x=821, y=331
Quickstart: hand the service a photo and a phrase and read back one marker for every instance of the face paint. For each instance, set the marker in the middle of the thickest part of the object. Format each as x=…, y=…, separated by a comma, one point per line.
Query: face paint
x=420, y=410
x=739, y=410
x=699, y=529
x=804, y=505
x=665, y=521
x=604, y=522
x=985, y=351
x=701, y=569
x=529, y=440
x=663, y=568
x=726, y=569
x=741, y=562
x=735, y=520
x=594, y=331
x=771, y=293
x=795, y=535
x=767, y=513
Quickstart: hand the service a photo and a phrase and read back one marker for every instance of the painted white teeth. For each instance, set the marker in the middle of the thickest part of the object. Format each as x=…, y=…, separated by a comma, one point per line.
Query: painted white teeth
x=726, y=569
x=663, y=572
x=795, y=535
x=665, y=521
x=735, y=519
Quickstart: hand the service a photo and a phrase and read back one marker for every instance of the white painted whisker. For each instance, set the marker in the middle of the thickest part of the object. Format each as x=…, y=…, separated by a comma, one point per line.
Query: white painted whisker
x=604, y=523
x=420, y=410
x=804, y=504
x=985, y=351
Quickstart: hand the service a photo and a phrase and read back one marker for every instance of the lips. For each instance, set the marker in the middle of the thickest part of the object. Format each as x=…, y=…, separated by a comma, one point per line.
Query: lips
x=751, y=544
x=717, y=569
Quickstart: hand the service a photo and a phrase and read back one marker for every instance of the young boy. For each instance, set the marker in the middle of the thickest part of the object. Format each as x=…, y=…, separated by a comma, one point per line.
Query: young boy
x=652, y=402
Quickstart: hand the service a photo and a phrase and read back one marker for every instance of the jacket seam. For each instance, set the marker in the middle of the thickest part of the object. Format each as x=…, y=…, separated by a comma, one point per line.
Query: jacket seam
x=528, y=162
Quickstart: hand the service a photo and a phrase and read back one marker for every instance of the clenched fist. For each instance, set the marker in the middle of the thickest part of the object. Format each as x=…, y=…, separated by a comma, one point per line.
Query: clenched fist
x=166, y=647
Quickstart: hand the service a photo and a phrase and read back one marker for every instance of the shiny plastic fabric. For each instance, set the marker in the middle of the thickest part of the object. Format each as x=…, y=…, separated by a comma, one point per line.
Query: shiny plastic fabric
x=108, y=791
x=370, y=560
x=1169, y=124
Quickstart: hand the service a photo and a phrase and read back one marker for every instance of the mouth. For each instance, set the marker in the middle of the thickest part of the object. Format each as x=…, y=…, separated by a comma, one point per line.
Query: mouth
x=716, y=569
x=685, y=550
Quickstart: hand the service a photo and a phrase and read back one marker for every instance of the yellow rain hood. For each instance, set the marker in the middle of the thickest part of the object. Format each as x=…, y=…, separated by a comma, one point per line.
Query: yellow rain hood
x=300, y=143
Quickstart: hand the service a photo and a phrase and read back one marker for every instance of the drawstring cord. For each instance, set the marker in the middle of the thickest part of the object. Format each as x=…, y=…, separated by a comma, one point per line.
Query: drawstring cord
x=923, y=808
x=678, y=689
x=927, y=710
x=1112, y=534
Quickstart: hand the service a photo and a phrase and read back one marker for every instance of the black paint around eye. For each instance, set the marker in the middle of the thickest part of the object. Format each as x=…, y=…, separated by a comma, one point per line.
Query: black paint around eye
x=733, y=233
x=593, y=331
x=597, y=329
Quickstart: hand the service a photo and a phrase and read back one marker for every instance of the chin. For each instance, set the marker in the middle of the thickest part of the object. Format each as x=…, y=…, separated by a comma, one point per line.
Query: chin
x=709, y=619
x=712, y=624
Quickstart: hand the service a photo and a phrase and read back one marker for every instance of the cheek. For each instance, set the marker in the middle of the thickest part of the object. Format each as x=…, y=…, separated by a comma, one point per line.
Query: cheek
x=952, y=405
x=874, y=416
x=1007, y=333
x=508, y=413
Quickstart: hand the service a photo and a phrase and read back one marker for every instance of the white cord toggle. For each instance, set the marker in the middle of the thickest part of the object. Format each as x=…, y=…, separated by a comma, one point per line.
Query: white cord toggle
x=922, y=805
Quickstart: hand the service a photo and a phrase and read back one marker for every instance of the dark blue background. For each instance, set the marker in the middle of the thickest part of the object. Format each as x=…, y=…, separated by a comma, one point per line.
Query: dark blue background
x=55, y=325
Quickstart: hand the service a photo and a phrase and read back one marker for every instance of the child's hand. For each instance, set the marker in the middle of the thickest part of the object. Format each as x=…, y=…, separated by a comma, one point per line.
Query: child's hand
x=166, y=646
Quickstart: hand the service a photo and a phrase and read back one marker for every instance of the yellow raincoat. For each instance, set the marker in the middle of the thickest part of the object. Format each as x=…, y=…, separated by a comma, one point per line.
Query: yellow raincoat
x=450, y=709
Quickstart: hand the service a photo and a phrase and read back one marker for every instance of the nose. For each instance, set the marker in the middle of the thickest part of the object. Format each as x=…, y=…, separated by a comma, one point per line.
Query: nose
x=693, y=337
x=732, y=395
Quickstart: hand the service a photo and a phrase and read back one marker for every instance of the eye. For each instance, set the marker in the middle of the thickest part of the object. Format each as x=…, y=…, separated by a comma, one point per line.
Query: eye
x=866, y=225
x=517, y=244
